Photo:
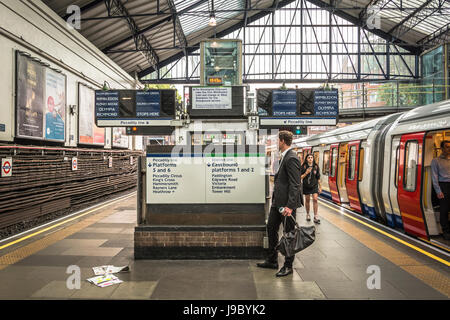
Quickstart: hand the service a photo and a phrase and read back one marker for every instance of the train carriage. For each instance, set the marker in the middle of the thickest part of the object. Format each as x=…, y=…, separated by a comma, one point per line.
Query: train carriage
x=382, y=167
x=407, y=192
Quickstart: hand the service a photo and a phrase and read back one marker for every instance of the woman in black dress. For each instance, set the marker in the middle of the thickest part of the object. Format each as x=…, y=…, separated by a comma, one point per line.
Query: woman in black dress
x=311, y=185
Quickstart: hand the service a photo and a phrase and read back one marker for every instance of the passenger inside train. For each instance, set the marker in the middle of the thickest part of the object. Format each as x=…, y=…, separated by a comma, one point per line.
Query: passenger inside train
x=440, y=171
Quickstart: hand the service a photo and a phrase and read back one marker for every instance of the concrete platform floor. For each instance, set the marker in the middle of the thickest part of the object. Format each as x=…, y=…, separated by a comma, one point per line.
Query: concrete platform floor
x=334, y=267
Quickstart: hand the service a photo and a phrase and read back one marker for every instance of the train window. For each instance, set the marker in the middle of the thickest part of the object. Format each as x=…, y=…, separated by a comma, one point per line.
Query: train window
x=397, y=160
x=361, y=164
x=334, y=156
x=351, y=163
x=326, y=163
x=316, y=157
x=410, y=171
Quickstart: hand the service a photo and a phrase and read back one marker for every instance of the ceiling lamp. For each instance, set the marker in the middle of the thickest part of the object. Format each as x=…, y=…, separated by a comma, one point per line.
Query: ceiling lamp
x=212, y=20
x=212, y=16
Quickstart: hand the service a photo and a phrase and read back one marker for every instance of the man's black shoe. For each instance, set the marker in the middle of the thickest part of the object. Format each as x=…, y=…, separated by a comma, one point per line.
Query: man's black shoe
x=267, y=265
x=284, y=272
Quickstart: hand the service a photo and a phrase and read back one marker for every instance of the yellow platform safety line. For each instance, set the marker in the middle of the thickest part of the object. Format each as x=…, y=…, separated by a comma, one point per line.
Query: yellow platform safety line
x=431, y=277
x=447, y=263
x=27, y=250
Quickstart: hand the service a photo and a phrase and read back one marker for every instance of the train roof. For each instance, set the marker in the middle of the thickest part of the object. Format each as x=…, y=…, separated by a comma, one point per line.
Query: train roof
x=425, y=118
x=431, y=110
x=434, y=116
x=353, y=132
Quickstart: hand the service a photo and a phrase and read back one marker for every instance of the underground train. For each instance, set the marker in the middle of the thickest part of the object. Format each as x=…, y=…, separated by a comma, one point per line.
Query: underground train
x=381, y=168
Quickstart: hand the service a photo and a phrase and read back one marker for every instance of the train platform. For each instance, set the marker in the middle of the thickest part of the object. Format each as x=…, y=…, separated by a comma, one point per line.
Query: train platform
x=34, y=265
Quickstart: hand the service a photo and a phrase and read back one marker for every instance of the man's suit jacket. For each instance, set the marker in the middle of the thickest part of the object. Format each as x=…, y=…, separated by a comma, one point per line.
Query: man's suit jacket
x=288, y=185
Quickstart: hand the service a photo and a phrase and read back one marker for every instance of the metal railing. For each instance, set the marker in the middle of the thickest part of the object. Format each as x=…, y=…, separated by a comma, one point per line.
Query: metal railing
x=393, y=94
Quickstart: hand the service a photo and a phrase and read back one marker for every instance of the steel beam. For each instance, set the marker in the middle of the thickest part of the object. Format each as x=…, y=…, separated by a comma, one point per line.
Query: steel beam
x=153, y=25
x=408, y=17
x=357, y=22
x=374, y=53
x=287, y=37
x=317, y=39
x=435, y=38
x=141, y=42
x=177, y=29
x=220, y=34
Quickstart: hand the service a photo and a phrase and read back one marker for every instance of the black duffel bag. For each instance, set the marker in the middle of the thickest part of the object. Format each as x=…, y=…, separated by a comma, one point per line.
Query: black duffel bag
x=295, y=240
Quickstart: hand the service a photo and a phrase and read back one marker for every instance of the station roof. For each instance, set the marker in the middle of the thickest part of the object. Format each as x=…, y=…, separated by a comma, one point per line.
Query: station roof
x=141, y=35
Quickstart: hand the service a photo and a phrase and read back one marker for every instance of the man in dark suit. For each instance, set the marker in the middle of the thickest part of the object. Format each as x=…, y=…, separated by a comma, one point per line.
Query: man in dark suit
x=287, y=194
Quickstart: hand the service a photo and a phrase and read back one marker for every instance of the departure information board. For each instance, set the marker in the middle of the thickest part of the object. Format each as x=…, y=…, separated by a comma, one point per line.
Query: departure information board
x=284, y=103
x=123, y=108
x=297, y=107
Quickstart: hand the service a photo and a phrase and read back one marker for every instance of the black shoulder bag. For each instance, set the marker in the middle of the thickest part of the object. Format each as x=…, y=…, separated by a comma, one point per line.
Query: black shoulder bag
x=295, y=240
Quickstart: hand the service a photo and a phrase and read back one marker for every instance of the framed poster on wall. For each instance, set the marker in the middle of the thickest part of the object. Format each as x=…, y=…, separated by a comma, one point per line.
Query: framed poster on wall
x=40, y=100
x=88, y=132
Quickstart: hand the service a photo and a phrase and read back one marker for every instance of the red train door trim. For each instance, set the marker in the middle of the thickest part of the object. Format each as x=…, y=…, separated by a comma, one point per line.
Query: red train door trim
x=332, y=181
x=352, y=184
x=409, y=201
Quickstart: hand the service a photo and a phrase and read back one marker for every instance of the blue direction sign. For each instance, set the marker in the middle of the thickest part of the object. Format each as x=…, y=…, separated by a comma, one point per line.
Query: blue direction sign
x=284, y=103
x=326, y=103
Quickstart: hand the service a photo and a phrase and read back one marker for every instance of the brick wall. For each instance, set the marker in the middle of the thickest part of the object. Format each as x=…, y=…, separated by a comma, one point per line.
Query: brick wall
x=199, y=238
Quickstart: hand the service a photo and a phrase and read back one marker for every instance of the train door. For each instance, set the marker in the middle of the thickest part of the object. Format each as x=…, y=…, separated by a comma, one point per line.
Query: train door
x=394, y=218
x=332, y=178
x=430, y=200
x=342, y=171
x=351, y=180
x=409, y=184
x=325, y=165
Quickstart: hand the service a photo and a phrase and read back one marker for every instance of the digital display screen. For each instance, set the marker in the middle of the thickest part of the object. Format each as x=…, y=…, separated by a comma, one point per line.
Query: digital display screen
x=214, y=102
x=297, y=107
x=115, y=107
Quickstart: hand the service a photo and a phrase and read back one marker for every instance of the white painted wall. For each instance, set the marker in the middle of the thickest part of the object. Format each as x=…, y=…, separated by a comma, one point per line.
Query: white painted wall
x=30, y=26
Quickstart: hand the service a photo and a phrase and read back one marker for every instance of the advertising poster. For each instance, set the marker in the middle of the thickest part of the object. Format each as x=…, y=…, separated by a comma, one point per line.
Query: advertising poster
x=99, y=135
x=55, y=101
x=120, y=139
x=88, y=132
x=30, y=98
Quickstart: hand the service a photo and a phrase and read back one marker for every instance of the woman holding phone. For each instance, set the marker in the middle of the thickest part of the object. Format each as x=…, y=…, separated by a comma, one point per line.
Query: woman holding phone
x=310, y=175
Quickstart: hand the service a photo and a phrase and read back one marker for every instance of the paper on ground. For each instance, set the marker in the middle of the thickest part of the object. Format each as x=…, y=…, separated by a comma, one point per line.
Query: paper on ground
x=104, y=281
x=98, y=271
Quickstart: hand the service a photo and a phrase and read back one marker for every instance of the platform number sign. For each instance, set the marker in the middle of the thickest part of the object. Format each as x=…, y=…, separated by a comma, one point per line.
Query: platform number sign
x=74, y=164
x=110, y=162
x=7, y=167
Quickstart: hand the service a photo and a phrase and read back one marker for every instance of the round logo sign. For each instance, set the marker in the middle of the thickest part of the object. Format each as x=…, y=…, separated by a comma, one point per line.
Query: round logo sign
x=74, y=163
x=6, y=167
